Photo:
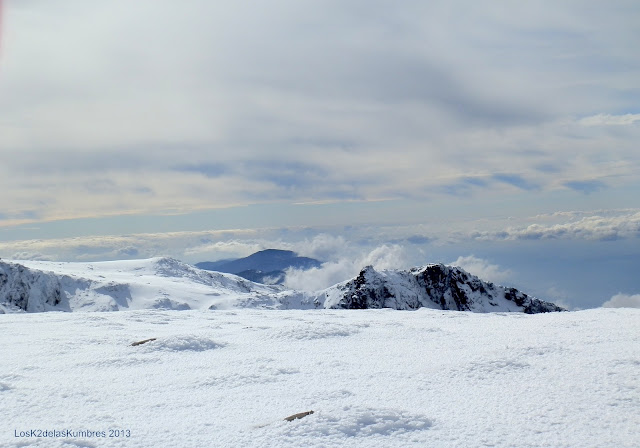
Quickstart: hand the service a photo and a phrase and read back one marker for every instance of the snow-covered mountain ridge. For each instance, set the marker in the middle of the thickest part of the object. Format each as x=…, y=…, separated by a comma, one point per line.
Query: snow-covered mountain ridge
x=157, y=283
x=166, y=283
x=431, y=286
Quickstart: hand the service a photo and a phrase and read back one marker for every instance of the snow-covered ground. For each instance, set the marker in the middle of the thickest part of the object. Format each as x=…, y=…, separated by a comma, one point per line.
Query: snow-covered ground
x=382, y=378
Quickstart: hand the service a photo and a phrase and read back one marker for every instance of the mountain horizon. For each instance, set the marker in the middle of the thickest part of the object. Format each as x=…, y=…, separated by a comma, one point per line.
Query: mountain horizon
x=266, y=266
x=166, y=283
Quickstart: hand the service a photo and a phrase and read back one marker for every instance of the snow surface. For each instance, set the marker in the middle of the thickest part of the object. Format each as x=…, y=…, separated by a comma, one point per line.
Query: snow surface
x=156, y=283
x=374, y=378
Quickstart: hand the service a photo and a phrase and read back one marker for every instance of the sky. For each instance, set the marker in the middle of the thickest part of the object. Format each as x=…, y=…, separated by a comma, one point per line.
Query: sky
x=502, y=136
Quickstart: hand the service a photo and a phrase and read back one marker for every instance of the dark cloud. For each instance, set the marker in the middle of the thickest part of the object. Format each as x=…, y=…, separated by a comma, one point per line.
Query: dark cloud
x=21, y=215
x=286, y=174
x=419, y=239
x=212, y=170
x=140, y=157
x=311, y=142
x=464, y=187
x=516, y=180
x=101, y=186
x=549, y=168
x=585, y=186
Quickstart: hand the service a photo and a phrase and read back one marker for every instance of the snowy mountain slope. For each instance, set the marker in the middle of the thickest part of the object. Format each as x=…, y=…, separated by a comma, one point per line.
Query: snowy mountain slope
x=373, y=378
x=433, y=286
x=160, y=283
x=31, y=290
x=165, y=283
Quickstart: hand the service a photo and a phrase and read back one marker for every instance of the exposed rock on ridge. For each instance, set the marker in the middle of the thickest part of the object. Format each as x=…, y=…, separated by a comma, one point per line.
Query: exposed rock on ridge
x=164, y=283
x=431, y=286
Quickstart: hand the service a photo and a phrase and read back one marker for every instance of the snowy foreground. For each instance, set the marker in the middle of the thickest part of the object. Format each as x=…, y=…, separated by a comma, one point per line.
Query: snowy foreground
x=382, y=378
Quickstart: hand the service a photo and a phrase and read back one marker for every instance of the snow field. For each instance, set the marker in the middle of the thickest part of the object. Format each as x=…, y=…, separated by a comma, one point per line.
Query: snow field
x=374, y=378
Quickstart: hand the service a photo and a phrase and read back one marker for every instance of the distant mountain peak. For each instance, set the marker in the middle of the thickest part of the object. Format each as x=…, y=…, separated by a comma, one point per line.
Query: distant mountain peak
x=166, y=283
x=280, y=252
x=266, y=266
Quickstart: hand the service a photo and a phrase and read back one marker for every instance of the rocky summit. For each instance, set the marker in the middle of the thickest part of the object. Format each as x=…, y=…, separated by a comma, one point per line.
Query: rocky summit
x=431, y=286
x=165, y=283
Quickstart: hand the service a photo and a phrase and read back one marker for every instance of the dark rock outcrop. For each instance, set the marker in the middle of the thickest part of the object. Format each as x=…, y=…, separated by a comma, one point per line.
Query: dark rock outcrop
x=431, y=286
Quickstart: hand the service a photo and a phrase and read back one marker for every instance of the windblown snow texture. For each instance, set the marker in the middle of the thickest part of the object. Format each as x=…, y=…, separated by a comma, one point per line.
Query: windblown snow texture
x=431, y=286
x=428, y=378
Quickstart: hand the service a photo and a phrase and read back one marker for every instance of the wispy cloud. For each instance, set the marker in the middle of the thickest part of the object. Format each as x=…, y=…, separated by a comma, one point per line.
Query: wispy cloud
x=345, y=267
x=419, y=239
x=623, y=301
x=483, y=268
x=592, y=227
x=610, y=120
x=111, y=113
x=585, y=186
x=334, y=242
x=516, y=180
x=183, y=245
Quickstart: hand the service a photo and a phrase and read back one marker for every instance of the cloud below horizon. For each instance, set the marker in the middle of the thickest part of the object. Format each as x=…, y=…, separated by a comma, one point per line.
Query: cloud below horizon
x=483, y=269
x=623, y=301
x=607, y=226
x=578, y=271
x=346, y=266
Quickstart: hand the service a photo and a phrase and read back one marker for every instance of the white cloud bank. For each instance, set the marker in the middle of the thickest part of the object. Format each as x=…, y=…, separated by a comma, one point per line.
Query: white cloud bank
x=610, y=120
x=332, y=272
x=623, y=301
x=624, y=224
x=335, y=243
x=187, y=246
x=483, y=269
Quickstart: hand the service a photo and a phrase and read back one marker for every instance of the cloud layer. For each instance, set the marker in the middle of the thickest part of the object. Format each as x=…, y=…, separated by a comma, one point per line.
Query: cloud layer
x=577, y=271
x=603, y=226
x=337, y=242
x=623, y=301
x=162, y=106
x=483, y=269
x=346, y=266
